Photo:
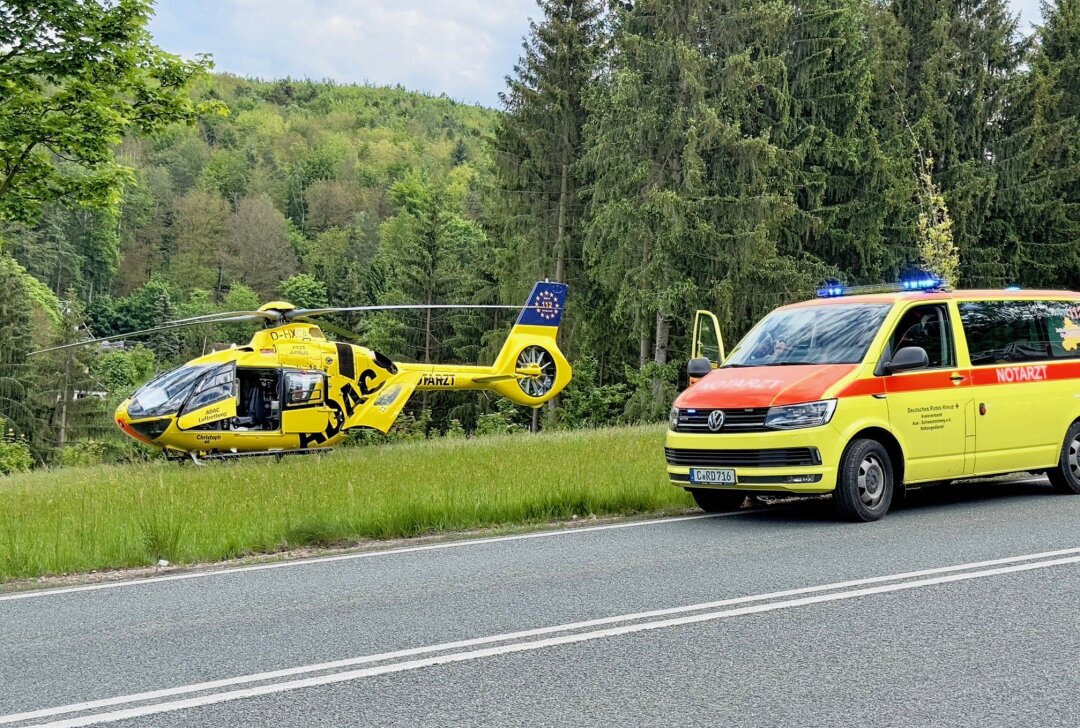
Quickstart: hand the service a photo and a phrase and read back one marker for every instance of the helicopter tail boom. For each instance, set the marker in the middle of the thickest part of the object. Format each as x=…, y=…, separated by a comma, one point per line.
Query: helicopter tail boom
x=530, y=369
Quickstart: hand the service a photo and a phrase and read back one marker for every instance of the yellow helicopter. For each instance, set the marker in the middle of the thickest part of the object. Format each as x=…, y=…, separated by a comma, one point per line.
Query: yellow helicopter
x=291, y=390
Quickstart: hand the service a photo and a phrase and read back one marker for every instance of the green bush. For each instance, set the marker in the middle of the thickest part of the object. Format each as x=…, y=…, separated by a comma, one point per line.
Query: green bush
x=455, y=429
x=99, y=452
x=14, y=456
x=587, y=403
x=499, y=422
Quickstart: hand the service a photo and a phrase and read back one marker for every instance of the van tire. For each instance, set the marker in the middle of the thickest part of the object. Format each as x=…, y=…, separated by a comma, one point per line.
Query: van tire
x=1066, y=476
x=865, y=482
x=717, y=501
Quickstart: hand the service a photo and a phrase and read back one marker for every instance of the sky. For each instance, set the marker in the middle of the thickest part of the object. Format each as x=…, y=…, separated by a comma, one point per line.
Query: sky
x=462, y=48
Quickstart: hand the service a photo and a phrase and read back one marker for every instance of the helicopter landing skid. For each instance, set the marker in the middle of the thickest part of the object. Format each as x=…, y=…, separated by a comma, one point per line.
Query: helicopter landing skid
x=279, y=454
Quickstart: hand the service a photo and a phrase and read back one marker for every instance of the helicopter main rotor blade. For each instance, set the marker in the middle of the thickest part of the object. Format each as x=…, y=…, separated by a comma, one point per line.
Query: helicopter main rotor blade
x=171, y=326
x=307, y=312
x=211, y=317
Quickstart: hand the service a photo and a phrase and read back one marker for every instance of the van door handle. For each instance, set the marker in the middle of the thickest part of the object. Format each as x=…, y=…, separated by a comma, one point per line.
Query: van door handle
x=957, y=378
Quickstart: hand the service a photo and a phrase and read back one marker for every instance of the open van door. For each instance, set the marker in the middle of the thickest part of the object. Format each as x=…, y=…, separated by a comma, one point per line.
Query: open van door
x=708, y=346
x=212, y=399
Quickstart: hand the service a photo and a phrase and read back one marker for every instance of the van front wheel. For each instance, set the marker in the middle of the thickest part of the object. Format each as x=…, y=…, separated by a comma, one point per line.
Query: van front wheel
x=717, y=501
x=864, y=483
x=1066, y=476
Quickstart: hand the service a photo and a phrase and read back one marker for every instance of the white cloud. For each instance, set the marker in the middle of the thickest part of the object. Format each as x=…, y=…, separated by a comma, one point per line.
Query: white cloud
x=461, y=48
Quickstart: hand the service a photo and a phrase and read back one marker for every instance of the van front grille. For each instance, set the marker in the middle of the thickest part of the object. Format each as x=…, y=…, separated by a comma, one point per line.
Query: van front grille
x=785, y=457
x=736, y=421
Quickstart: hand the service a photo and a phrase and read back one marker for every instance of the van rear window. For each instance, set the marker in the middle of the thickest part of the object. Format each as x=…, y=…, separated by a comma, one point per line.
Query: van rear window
x=1000, y=332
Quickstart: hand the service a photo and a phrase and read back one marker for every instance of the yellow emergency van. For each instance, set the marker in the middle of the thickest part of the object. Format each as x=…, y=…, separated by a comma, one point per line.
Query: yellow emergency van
x=859, y=394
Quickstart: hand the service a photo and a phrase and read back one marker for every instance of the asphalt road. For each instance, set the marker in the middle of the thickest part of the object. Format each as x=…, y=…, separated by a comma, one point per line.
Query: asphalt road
x=962, y=607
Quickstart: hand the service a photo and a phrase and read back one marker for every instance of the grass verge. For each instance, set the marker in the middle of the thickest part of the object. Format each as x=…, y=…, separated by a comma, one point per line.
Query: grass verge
x=82, y=519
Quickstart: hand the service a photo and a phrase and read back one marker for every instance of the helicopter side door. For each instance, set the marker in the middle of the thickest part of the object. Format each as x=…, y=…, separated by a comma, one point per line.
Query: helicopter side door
x=304, y=406
x=213, y=399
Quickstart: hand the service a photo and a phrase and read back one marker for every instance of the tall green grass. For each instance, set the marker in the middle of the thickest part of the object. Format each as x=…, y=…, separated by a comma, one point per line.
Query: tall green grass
x=81, y=519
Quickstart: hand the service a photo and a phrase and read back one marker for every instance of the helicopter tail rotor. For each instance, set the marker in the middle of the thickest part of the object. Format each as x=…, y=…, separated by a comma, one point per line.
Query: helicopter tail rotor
x=531, y=369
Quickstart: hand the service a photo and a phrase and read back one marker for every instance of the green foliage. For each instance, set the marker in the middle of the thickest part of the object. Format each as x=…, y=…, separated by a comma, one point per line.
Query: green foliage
x=652, y=390
x=304, y=291
x=15, y=454
x=99, y=452
x=589, y=403
x=17, y=376
x=121, y=372
x=937, y=252
x=538, y=144
x=77, y=77
x=501, y=421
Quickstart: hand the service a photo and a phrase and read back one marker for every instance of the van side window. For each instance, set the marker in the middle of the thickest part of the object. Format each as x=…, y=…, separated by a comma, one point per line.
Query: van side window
x=928, y=327
x=1000, y=332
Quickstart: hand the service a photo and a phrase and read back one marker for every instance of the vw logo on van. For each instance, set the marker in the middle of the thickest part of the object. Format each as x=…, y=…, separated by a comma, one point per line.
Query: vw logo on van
x=716, y=420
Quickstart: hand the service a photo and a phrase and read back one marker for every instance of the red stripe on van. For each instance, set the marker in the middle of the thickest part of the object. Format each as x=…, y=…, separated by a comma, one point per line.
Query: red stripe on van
x=1047, y=371
x=1038, y=371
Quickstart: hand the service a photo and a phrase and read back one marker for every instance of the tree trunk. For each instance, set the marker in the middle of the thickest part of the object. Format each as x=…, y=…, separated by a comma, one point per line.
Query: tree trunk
x=560, y=234
x=64, y=402
x=663, y=332
x=645, y=344
x=660, y=352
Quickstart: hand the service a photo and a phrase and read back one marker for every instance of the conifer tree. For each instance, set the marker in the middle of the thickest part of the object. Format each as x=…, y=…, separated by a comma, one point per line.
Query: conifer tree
x=836, y=159
x=688, y=191
x=1036, y=215
x=538, y=141
x=959, y=57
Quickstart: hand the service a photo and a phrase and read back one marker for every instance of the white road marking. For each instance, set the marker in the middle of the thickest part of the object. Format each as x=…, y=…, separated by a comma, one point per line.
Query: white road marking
x=366, y=555
x=340, y=677
x=521, y=635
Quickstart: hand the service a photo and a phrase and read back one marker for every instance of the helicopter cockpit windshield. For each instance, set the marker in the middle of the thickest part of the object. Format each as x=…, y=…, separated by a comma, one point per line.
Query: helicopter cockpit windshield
x=164, y=395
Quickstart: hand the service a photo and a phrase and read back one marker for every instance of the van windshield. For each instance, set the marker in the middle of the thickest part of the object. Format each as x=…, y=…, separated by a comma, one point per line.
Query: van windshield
x=837, y=333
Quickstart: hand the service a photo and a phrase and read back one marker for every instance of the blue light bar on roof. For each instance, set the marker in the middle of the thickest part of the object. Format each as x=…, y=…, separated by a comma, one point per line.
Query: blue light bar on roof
x=912, y=282
x=831, y=289
x=921, y=282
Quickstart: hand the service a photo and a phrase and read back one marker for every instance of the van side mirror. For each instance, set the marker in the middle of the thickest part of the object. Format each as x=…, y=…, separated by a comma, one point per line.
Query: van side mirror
x=907, y=359
x=698, y=368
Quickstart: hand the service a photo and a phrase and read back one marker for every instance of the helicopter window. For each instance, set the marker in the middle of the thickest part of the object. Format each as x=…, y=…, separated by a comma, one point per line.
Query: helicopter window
x=303, y=388
x=164, y=395
x=216, y=386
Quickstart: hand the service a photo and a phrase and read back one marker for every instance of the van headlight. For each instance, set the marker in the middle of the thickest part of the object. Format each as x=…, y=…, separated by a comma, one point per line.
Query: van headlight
x=673, y=418
x=794, y=416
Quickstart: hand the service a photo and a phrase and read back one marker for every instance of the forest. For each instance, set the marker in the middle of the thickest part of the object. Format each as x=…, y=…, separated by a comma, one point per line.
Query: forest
x=659, y=157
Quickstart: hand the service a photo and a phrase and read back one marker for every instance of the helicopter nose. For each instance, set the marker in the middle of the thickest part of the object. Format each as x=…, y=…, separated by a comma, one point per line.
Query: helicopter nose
x=123, y=421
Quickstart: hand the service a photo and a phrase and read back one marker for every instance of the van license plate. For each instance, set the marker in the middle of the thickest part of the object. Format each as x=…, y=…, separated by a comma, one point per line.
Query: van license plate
x=712, y=476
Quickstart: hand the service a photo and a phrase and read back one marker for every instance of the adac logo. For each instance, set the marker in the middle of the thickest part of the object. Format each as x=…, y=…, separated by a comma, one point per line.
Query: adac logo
x=547, y=305
x=716, y=420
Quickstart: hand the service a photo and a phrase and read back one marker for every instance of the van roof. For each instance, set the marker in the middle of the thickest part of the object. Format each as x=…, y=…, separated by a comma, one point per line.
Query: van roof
x=893, y=297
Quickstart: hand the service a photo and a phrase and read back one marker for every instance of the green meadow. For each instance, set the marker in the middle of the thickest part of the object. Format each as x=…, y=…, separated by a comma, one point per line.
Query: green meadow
x=82, y=519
